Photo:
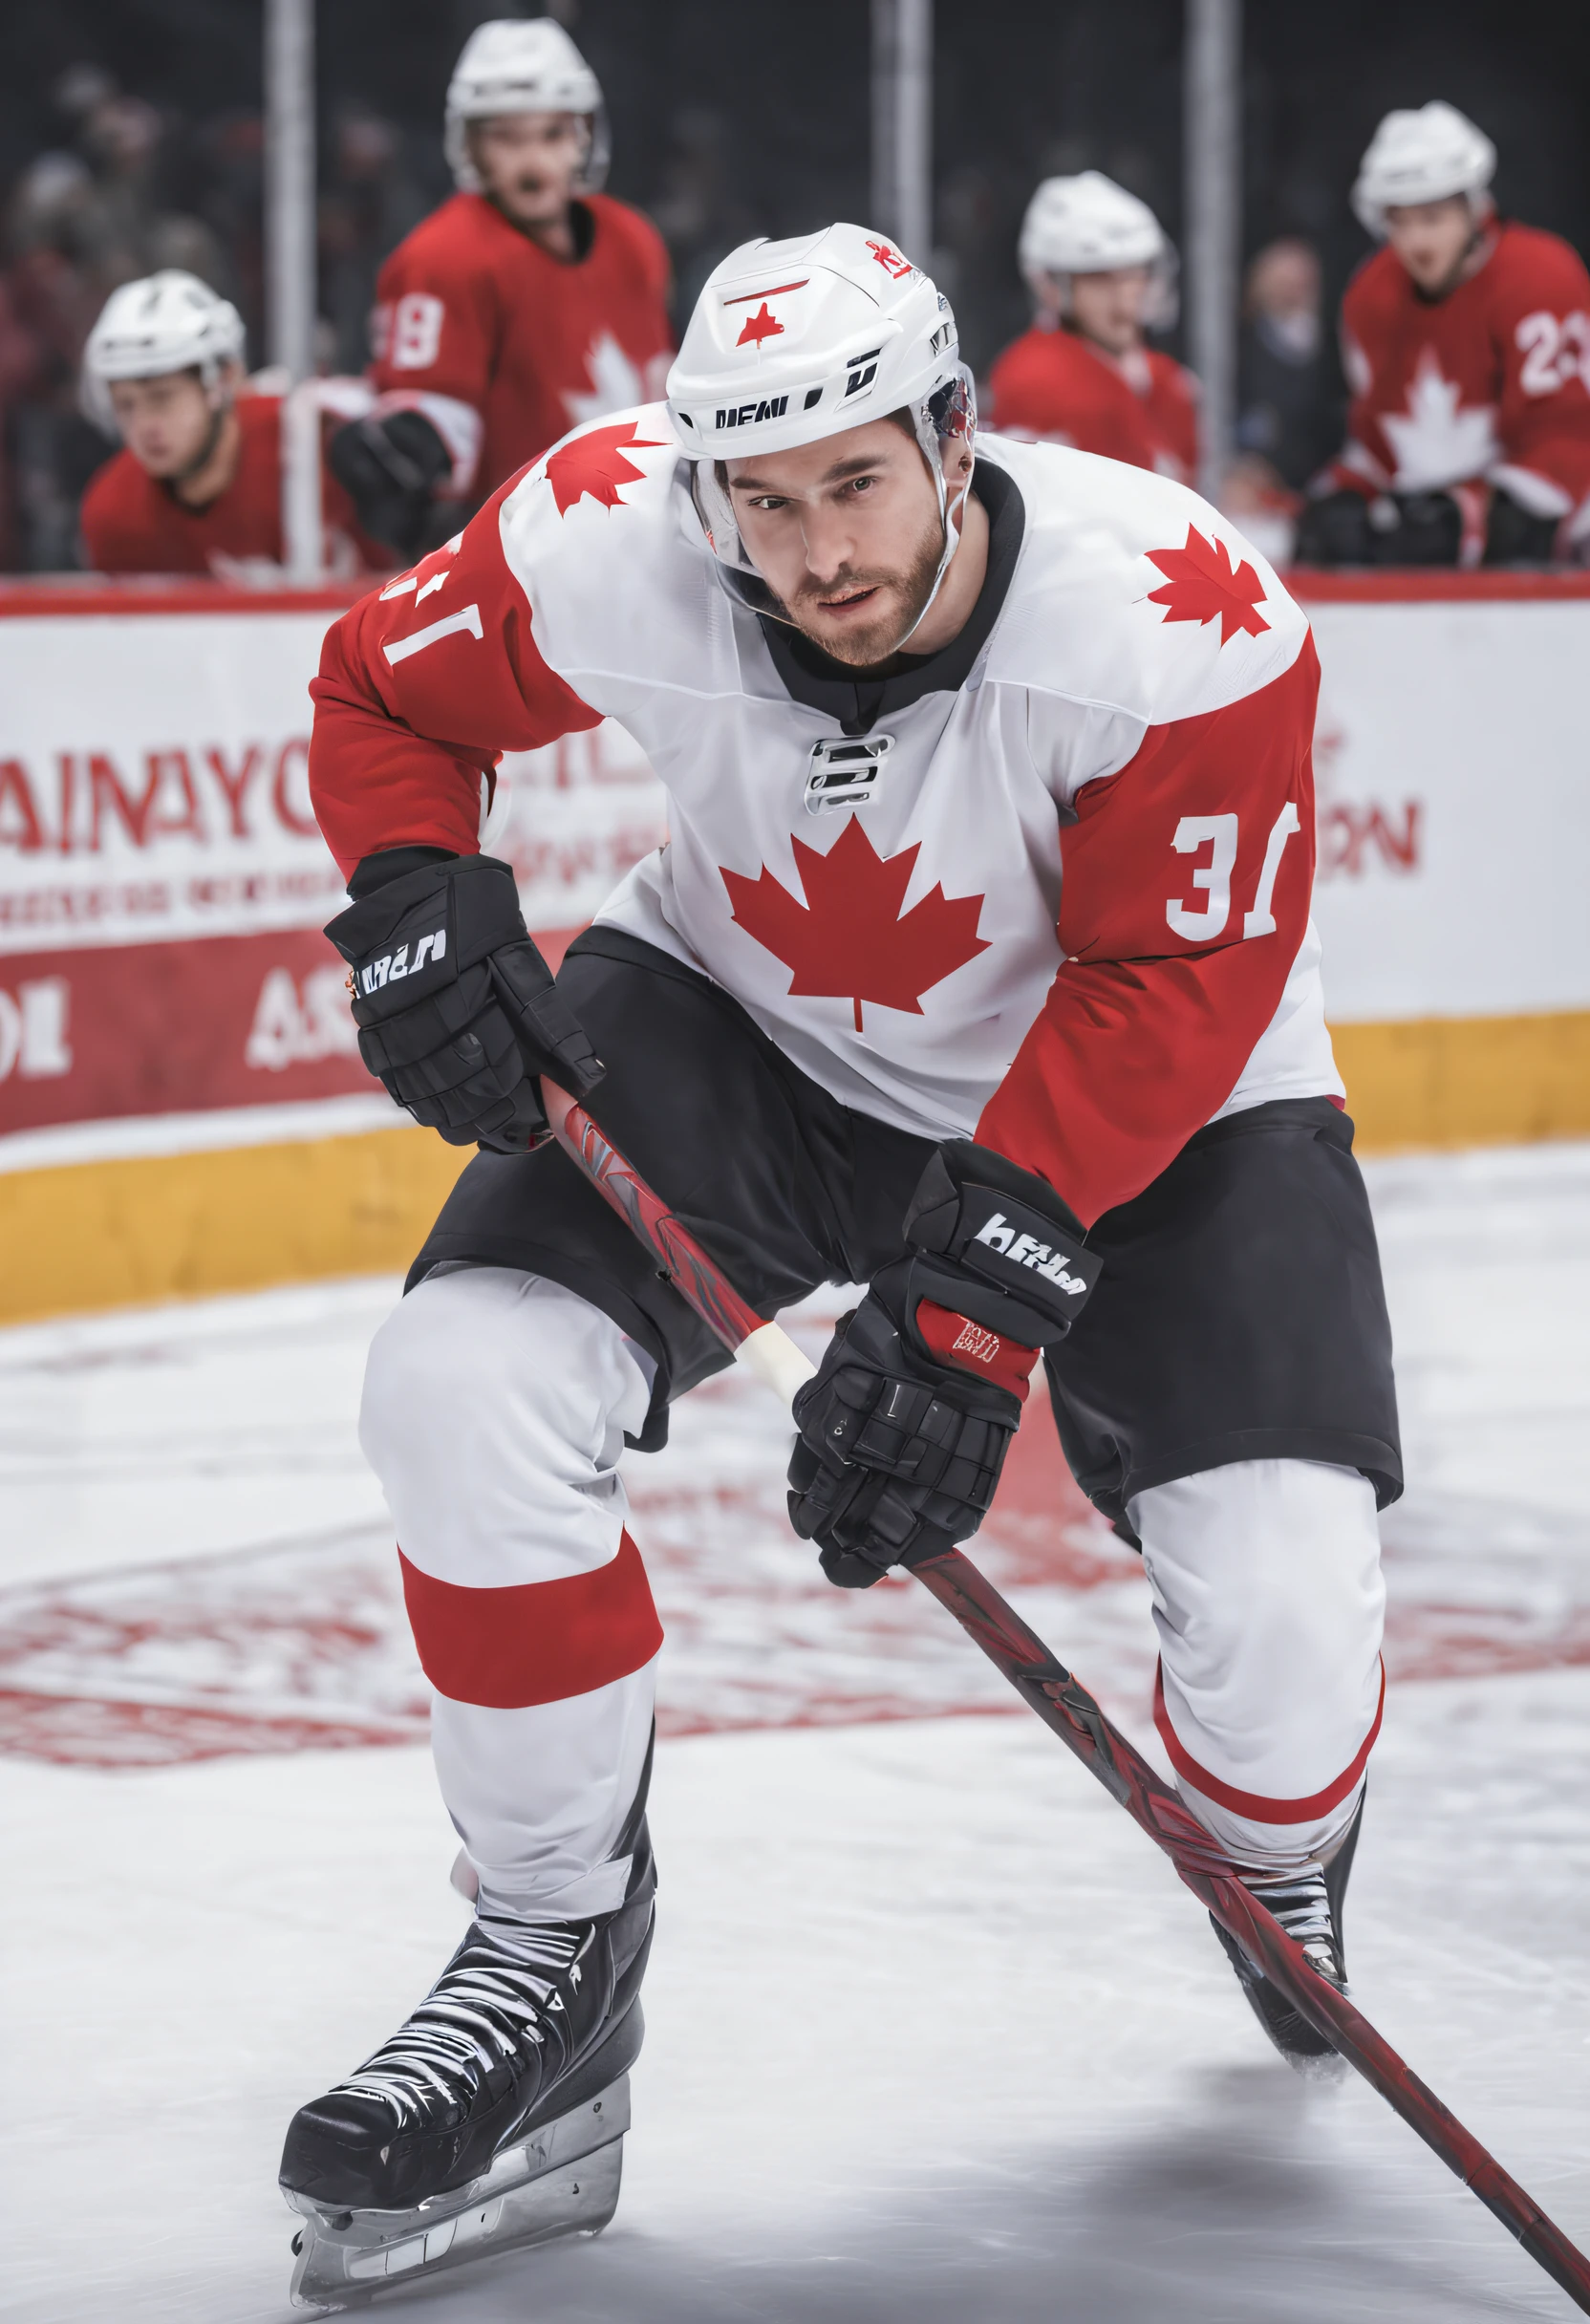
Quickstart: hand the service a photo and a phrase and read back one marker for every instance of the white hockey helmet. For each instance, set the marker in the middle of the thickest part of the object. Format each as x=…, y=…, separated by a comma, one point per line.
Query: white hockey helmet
x=1422, y=157
x=167, y=322
x=792, y=341
x=513, y=66
x=1088, y=225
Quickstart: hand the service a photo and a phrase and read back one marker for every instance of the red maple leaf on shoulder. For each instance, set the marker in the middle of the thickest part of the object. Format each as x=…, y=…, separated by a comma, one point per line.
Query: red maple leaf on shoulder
x=594, y=464
x=849, y=939
x=1203, y=584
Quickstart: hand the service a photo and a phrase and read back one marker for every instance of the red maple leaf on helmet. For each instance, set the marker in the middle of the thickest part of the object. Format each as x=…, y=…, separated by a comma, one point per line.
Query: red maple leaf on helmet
x=595, y=463
x=1203, y=584
x=849, y=941
x=758, y=327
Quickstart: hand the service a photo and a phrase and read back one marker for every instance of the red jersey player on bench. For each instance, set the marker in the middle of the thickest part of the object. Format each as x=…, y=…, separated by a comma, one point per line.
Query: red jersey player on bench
x=528, y=303
x=197, y=487
x=1102, y=274
x=1465, y=340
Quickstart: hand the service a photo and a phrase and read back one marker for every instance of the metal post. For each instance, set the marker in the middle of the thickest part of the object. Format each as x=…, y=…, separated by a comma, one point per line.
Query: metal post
x=902, y=124
x=290, y=269
x=1212, y=86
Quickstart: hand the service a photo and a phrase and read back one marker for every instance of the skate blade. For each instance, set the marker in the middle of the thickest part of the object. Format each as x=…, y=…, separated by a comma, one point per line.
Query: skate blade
x=562, y=2180
x=1323, y=2066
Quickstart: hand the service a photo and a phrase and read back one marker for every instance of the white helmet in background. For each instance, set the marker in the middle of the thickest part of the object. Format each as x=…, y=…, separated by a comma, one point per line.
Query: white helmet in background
x=511, y=66
x=168, y=322
x=1088, y=225
x=1422, y=157
x=792, y=341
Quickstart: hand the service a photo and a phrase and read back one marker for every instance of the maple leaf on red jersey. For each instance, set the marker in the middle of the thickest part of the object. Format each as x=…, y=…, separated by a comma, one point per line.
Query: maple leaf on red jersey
x=1202, y=584
x=849, y=939
x=594, y=465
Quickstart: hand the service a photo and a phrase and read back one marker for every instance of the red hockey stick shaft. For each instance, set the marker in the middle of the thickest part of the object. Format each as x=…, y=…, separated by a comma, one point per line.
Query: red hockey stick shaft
x=1065, y=1704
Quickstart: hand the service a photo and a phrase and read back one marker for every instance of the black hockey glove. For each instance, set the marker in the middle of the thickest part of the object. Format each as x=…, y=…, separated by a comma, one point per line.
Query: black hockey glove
x=390, y=467
x=905, y=1428
x=1428, y=530
x=1335, y=530
x=1514, y=537
x=457, y=1010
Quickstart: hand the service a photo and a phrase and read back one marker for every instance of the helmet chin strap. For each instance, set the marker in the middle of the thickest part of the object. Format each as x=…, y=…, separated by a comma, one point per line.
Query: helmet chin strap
x=947, y=516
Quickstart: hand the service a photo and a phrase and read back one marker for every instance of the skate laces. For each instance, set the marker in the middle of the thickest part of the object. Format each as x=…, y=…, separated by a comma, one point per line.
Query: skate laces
x=1300, y=1903
x=480, y=2013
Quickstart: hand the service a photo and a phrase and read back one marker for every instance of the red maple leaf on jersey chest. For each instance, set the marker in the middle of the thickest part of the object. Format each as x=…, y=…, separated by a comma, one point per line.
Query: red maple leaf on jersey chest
x=849, y=941
x=595, y=463
x=1202, y=584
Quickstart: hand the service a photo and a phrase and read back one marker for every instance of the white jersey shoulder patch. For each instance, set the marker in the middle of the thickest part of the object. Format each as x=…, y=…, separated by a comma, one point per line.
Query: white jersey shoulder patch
x=601, y=537
x=1133, y=594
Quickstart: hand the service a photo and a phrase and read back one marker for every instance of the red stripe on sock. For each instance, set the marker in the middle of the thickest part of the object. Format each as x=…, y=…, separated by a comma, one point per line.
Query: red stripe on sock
x=540, y=1642
x=1253, y=1803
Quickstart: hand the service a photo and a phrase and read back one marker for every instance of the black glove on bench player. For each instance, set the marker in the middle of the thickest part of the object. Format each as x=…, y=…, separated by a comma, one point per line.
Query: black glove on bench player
x=457, y=1010
x=905, y=1428
x=391, y=468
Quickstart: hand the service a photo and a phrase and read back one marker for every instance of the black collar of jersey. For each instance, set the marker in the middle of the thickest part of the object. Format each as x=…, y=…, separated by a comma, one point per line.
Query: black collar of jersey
x=858, y=701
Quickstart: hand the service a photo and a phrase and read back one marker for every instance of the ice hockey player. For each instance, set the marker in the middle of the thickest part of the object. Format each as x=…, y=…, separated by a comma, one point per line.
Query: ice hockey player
x=1102, y=275
x=197, y=485
x=1466, y=341
x=530, y=301
x=978, y=969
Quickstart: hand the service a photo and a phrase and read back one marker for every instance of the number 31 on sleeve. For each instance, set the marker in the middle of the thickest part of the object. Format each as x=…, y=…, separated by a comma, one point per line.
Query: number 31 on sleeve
x=1219, y=834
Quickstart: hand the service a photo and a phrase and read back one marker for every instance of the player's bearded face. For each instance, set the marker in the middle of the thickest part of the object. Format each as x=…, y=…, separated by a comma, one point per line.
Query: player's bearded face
x=847, y=534
x=529, y=163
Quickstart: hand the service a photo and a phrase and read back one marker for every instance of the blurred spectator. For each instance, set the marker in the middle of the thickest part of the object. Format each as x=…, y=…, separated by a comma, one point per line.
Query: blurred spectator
x=51, y=294
x=80, y=222
x=1291, y=396
x=370, y=199
x=700, y=212
x=978, y=213
x=230, y=156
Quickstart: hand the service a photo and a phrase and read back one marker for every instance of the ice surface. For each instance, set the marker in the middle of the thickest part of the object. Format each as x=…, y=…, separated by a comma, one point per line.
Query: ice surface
x=933, y=2033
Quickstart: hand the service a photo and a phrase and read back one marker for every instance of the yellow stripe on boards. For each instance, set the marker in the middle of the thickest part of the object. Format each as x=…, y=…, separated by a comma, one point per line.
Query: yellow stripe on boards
x=1467, y=1081
x=110, y=1234
x=177, y=1226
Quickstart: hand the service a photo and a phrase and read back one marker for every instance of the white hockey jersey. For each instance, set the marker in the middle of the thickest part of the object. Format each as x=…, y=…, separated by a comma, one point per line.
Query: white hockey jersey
x=1050, y=888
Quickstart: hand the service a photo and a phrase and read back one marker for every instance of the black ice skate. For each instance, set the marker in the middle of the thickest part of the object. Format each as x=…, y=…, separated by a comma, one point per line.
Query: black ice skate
x=1308, y=1905
x=493, y=2118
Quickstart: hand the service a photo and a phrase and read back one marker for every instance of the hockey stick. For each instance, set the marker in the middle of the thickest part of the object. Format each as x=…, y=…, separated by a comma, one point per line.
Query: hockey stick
x=1065, y=1704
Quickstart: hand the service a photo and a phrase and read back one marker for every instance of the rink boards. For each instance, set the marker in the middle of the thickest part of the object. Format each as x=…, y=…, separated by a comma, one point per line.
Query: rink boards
x=181, y=1104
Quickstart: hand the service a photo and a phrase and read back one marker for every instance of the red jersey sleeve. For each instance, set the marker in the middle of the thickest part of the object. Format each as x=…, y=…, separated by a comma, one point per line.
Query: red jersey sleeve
x=1184, y=900
x=1543, y=324
x=422, y=686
